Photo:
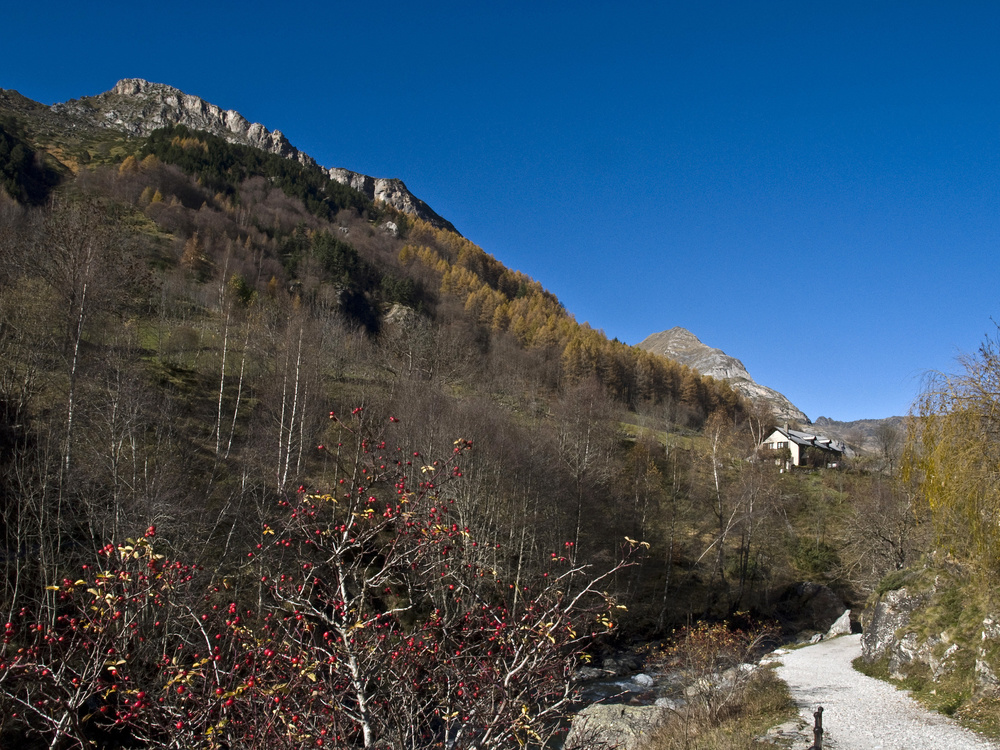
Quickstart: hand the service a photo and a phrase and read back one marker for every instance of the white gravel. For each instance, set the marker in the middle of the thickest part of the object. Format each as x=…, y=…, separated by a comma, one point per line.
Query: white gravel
x=862, y=713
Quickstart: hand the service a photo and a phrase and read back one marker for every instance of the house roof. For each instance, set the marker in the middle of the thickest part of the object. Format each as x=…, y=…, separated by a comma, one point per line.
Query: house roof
x=816, y=441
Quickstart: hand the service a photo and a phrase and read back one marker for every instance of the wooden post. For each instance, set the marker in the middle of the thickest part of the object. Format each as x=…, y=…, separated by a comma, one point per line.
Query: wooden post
x=818, y=730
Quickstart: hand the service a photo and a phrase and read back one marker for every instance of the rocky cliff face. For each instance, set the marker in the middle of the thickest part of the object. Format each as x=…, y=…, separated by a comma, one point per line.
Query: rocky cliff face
x=885, y=626
x=681, y=345
x=918, y=629
x=138, y=107
x=392, y=191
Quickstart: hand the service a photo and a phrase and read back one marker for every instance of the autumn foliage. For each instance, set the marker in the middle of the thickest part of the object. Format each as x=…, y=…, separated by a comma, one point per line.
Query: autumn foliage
x=361, y=618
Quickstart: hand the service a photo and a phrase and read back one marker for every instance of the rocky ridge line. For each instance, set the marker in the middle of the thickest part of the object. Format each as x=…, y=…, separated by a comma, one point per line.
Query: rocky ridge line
x=138, y=107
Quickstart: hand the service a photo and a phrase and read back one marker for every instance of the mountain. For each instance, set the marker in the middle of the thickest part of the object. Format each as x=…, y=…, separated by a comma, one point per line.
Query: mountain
x=683, y=346
x=866, y=435
x=239, y=324
x=138, y=107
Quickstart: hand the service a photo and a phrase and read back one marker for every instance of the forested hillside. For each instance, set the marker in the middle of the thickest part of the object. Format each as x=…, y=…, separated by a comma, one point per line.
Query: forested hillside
x=322, y=436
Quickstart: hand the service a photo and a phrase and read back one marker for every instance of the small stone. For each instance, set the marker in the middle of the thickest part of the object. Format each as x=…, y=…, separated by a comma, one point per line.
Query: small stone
x=643, y=680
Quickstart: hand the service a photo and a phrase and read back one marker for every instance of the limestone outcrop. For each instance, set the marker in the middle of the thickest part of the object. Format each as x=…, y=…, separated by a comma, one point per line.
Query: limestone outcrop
x=389, y=190
x=139, y=107
x=889, y=616
x=895, y=631
x=680, y=345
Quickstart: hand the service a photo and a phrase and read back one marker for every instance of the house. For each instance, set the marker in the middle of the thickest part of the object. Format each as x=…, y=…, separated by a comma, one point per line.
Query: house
x=795, y=448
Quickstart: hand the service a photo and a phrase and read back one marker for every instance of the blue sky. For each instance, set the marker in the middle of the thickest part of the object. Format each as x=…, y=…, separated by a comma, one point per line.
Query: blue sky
x=813, y=188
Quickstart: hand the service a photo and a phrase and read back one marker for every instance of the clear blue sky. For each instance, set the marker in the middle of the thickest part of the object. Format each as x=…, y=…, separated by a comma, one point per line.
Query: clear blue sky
x=813, y=188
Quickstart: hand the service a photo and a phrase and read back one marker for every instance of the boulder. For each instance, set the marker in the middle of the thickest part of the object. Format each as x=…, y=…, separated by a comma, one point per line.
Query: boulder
x=891, y=612
x=808, y=606
x=589, y=673
x=842, y=626
x=614, y=725
x=643, y=680
x=621, y=664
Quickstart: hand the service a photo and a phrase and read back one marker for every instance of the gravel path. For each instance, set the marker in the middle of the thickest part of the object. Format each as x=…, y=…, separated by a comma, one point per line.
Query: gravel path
x=862, y=713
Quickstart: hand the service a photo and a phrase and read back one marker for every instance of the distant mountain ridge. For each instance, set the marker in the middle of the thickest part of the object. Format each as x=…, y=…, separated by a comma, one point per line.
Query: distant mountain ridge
x=683, y=346
x=865, y=435
x=138, y=107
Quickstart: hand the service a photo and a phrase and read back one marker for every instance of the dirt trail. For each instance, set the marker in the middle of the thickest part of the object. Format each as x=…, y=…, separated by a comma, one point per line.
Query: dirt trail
x=862, y=713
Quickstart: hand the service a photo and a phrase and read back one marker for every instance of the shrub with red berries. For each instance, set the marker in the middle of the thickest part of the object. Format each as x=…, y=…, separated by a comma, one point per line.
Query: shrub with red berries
x=362, y=617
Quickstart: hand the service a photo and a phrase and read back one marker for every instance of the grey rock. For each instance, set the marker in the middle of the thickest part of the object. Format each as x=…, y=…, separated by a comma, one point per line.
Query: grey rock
x=945, y=664
x=986, y=673
x=682, y=346
x=708, y=684
x=643, y=680
x=621, y=664
x=886, y=634
x=614, y=725
x=796, y=733
x=590, y=673
x=991, y=629
x=402, y=316
x=842, y=626
x=904, y=652
x=934, y=652
x=391, y=191
x=809, y=606
x=986, y=678
x=892, y=611
x=139, y=107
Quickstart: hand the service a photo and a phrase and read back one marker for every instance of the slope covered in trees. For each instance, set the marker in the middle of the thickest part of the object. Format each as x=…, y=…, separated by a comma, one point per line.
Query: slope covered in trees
x=177, y=328
x=24, y=175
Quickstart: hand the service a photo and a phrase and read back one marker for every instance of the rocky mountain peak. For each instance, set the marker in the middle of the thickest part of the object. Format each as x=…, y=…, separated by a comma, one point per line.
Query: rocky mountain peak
x=138, y=107
x=680, y=345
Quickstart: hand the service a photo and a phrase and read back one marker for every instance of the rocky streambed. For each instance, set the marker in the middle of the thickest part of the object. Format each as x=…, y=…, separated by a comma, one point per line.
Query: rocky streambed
x=626, y=708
